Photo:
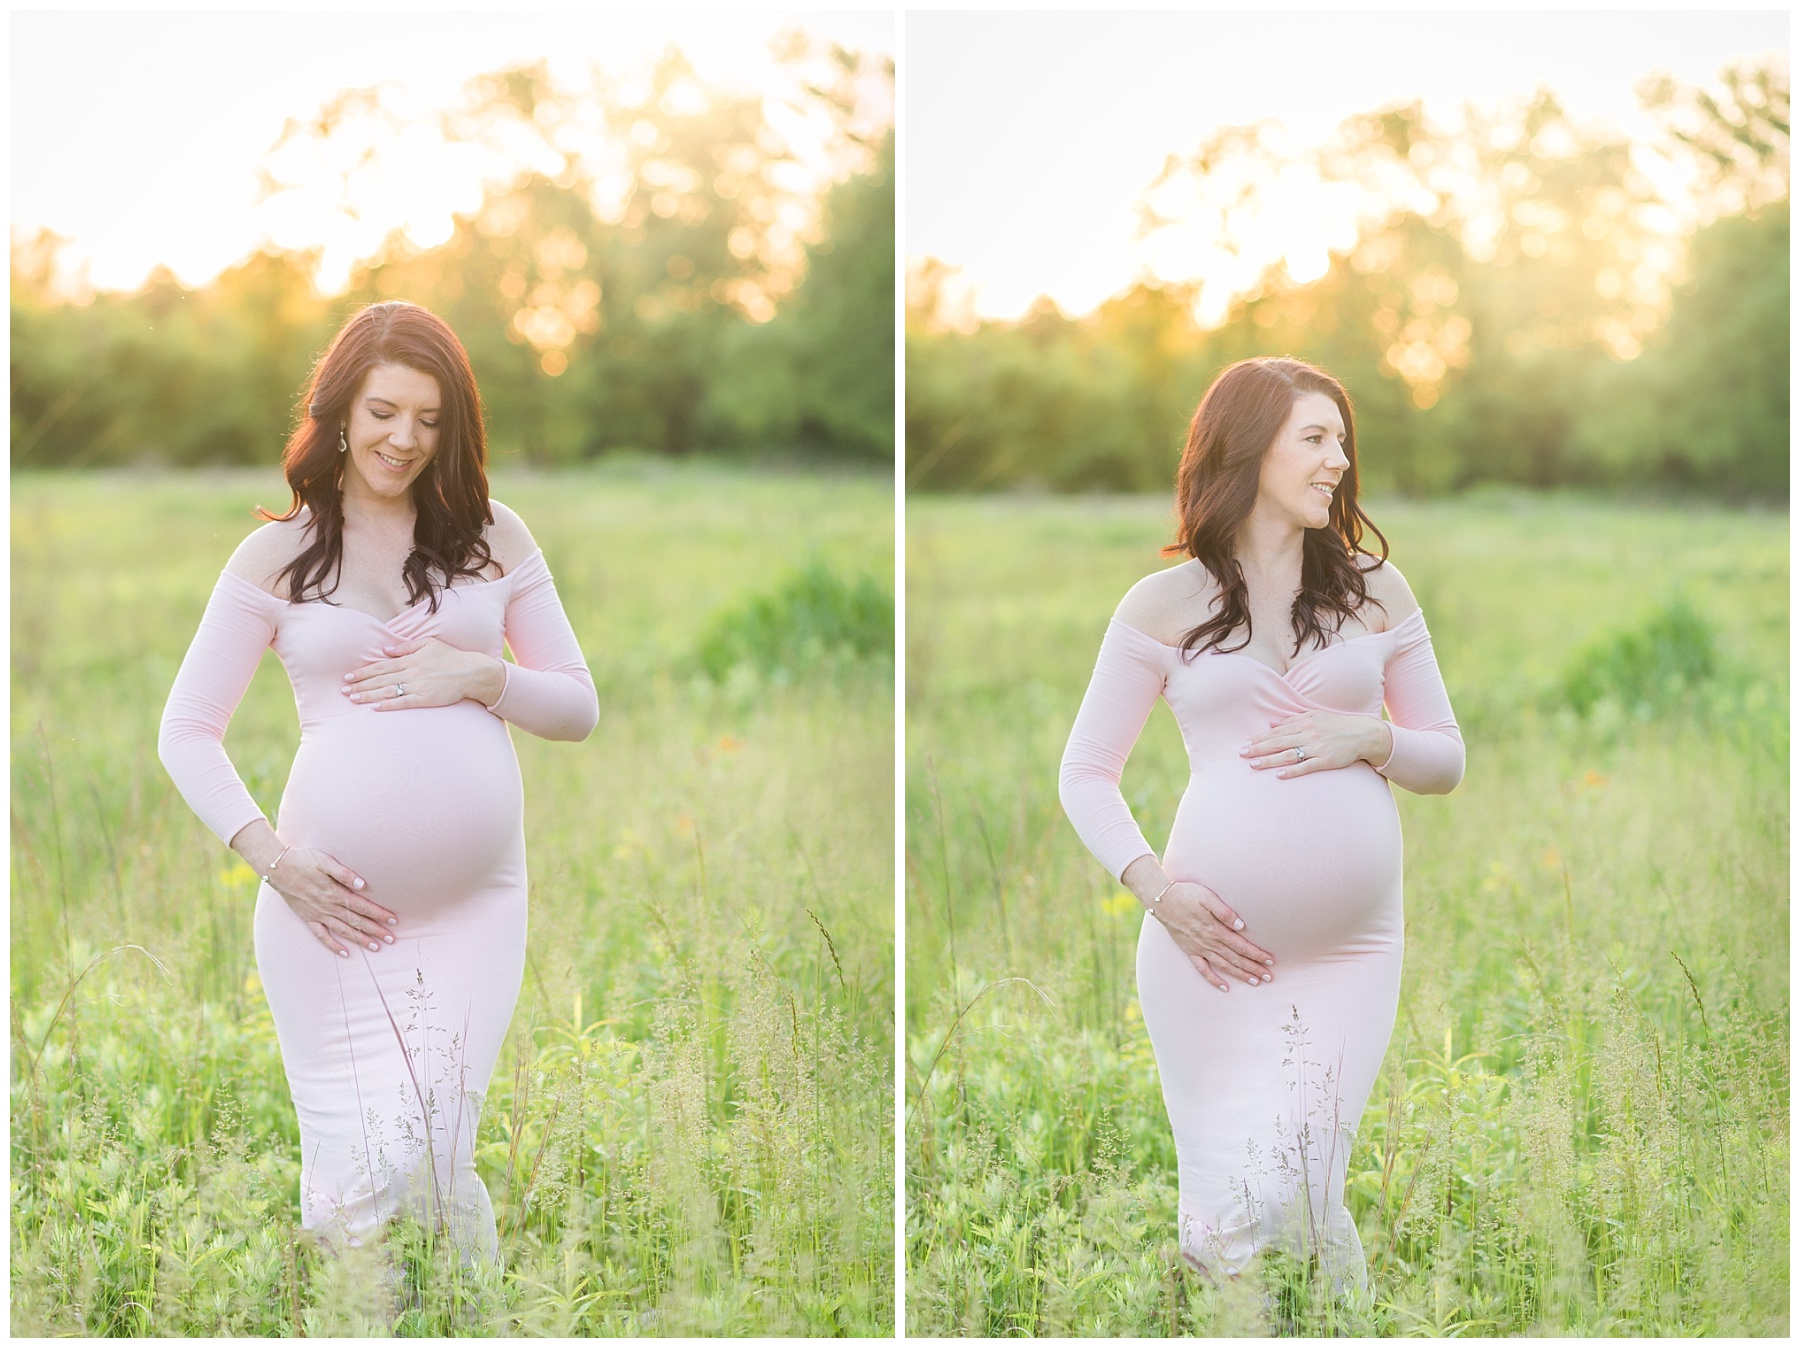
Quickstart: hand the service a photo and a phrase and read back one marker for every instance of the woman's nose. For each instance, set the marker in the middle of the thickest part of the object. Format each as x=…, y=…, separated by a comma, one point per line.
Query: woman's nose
x=402, y=435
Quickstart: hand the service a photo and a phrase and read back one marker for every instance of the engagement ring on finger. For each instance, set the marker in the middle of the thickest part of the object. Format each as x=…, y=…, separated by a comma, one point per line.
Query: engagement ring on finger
x=1299, y=754
x=399, y=690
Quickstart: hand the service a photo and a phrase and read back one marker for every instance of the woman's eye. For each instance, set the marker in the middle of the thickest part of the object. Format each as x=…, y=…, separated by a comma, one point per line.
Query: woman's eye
x=381, y=416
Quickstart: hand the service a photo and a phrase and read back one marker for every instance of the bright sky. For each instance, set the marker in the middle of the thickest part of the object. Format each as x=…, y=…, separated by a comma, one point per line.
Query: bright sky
x=138, y=134
x=1029, y=137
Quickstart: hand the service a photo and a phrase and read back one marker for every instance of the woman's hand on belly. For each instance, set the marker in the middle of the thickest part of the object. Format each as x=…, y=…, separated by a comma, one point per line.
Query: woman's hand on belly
x=1317, y=741
x=1202, y=925
x=426, y=673
x=324, y=894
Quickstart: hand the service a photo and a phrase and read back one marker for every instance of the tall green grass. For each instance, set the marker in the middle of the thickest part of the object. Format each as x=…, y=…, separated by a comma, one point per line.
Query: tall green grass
x=690, y=1129
x=1582, y=1121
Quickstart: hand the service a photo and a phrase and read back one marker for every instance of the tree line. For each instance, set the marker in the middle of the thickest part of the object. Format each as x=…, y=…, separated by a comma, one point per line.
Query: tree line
x=1500, y=317
x=669, y=310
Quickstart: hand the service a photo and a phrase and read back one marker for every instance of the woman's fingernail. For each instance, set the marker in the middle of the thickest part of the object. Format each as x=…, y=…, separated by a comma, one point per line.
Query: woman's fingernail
x=1238, y=925
x=373, y=946
x=388, y=939
x=1270, y=963
x=393, y=922
x=358, y=882
x=344, y=953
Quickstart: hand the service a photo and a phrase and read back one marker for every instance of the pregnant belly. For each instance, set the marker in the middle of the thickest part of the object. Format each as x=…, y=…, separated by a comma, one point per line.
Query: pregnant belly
x=1312, y=863
x=426, y=805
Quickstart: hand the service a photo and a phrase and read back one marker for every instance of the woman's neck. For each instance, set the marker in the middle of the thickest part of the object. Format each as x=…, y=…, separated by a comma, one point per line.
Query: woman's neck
x=1270, y=550
x=379, y=514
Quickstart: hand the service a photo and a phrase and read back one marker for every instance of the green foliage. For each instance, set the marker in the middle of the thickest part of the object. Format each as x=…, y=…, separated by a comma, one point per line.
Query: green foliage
x=690, y=1128
x=1670, y=653
x=812, y=617
x=1582, y=1121
x=657, y=311
x=821, y=374
x=210, y=376
x=1735, y=136
x=1706, y=405
x=1482, y=322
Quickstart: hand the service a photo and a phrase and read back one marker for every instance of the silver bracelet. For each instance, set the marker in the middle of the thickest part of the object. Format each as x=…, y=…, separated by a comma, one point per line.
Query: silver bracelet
x=1165, y=889
x=273, y=864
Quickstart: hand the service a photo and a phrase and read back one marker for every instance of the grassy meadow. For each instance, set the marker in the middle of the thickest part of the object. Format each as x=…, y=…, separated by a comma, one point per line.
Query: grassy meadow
x=690, y=1129
x=1582, y=1121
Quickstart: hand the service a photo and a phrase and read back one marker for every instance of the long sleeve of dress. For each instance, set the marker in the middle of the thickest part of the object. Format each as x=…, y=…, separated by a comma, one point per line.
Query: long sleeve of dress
x=548, y=689
x=1128, y=678
x=237, y=627
x=1428, y=751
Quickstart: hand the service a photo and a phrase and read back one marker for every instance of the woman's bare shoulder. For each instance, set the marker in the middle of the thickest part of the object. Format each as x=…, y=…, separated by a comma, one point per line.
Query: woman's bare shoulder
x=1389, y=589
x=507, y=537
x=260, y=558
x=1166, y=605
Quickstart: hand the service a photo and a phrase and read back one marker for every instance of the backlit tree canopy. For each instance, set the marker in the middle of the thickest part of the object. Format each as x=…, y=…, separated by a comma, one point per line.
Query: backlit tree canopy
x=1511, y=301
x=649, y=269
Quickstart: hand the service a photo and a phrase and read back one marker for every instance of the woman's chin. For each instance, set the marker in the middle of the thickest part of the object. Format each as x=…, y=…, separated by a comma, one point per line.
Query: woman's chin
x=388, y=486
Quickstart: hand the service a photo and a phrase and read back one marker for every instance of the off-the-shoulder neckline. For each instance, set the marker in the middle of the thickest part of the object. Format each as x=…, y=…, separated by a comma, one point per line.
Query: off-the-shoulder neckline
x=536, y=554
x=1417, y=613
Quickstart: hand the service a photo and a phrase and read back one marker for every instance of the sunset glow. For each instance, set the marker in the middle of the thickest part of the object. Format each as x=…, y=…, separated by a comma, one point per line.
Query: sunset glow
x=1028, y=162
x=188, y=107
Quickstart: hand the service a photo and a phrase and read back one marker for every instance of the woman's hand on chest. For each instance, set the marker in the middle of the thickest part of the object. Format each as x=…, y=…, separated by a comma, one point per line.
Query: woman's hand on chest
x=425, y=672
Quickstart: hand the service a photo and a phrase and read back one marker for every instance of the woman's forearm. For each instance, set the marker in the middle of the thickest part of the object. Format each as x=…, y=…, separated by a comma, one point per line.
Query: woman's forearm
x=1145, y=878
x=258, y=844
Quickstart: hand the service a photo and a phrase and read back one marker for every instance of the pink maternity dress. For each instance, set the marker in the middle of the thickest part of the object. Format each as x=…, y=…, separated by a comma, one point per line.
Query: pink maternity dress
x=1265, y=1085
x=388, y=1054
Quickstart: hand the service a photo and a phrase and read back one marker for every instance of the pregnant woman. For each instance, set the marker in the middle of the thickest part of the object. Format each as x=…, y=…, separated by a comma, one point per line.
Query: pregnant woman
x=390, y=925
x=1276, y=646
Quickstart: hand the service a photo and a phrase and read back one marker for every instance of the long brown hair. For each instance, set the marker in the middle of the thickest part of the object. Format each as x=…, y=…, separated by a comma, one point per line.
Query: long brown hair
x=450, y=495
x=1215, y=488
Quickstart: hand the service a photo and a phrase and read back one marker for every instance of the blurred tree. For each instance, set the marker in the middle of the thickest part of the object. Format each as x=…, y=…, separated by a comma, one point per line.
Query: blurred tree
x=645, y=266
x=163, y=374
x=1706, y=406
x=618, y=290
x=820, y=376
x=1503, y=278
x=1738, y=137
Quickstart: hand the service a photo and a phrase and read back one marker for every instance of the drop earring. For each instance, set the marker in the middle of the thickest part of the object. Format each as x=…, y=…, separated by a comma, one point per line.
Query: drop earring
x=343, y=441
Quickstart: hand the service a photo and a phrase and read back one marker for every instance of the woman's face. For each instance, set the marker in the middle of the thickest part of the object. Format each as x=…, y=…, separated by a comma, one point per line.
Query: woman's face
x=1300, y=472
x=393, y=431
